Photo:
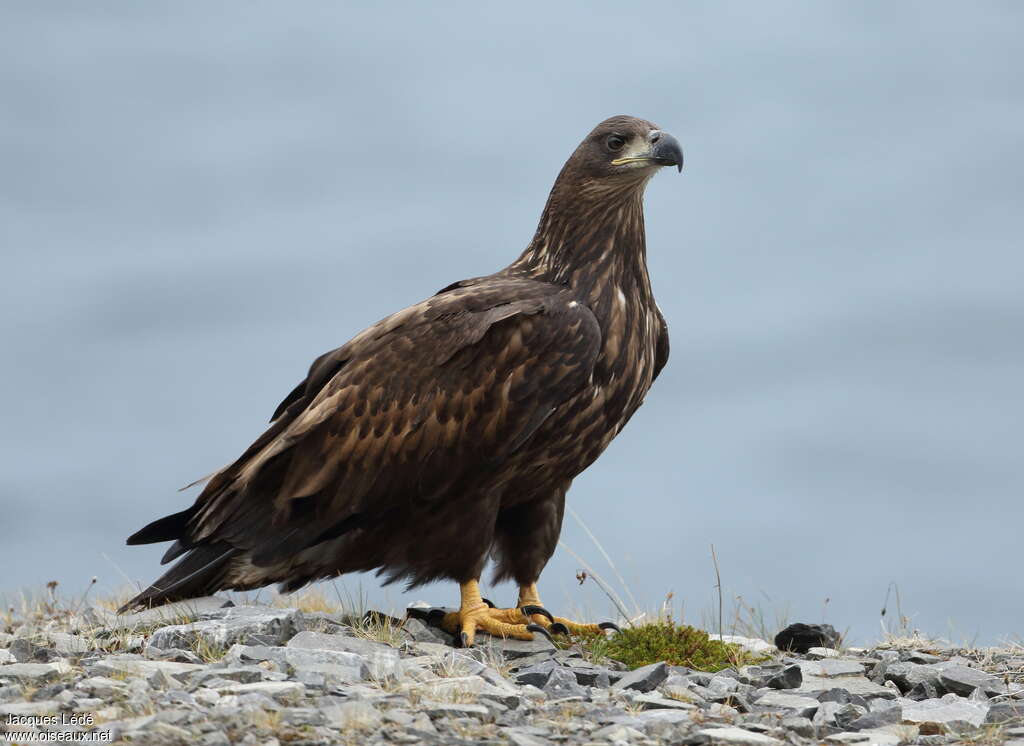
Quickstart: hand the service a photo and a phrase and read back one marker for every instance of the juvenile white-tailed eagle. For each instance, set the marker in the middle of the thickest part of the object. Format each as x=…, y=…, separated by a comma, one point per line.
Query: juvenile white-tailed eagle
x=450, y=431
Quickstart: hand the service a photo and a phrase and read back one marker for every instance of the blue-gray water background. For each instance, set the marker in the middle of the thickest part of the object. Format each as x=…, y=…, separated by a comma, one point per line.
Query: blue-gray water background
x=197, y=199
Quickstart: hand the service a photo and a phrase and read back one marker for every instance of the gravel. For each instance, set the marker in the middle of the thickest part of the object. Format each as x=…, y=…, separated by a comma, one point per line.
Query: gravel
x=217, y=675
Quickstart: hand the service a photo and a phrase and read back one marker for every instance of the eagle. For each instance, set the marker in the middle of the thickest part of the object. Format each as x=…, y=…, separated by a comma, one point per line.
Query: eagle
x=447, y=434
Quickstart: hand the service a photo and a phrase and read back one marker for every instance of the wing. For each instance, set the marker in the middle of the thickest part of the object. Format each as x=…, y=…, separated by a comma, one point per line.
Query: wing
x=662, y=348
x=418, y=407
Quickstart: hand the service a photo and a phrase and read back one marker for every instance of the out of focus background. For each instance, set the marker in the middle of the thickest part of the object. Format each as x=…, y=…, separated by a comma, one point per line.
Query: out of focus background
x=197, y=199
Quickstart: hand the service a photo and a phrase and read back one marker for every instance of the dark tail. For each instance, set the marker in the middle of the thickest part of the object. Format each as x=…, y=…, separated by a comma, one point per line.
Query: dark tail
x=201, y=572
x=168, y=528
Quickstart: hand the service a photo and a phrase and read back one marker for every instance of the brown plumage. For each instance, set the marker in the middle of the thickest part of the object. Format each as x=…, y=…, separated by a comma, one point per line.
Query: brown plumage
x=450, y=431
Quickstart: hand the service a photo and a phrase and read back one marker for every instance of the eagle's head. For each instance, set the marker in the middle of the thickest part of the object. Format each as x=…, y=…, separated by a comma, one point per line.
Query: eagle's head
x=623, y=149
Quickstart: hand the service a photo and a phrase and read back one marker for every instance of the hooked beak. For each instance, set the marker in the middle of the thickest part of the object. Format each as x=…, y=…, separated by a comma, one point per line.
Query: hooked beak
x=663, y=150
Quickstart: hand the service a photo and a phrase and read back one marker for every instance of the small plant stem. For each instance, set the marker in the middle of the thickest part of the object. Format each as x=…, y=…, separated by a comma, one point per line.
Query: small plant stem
x=718, y=586
x=601, y=584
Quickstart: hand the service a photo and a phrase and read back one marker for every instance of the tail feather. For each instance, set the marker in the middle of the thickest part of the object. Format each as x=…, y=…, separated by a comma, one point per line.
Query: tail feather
x=201, y=572
x=168, y=528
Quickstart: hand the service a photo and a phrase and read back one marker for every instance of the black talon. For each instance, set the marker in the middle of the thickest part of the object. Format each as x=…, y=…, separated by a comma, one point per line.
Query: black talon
x=489, y=602
x=610, y=625
x=538, y=628
x=463, y=640
x=530, y=609
x=557, y=628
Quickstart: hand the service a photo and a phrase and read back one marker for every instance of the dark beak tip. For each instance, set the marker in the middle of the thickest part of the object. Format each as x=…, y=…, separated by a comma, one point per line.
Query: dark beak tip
x=668, y=150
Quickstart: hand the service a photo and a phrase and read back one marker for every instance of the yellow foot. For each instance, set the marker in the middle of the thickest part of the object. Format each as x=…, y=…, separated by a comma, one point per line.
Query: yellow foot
x=475, y=614
x=464, y=624
x=529, y=602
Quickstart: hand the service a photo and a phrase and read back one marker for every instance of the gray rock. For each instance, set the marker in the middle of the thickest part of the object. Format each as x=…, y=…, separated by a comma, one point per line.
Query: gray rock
x=848, y=713
x=254, y=654
x=842, y=738
x=357, y=715
x=173, y=613
x=134, y=666
x=511, y=648
x=67, y=644
x=656, y=701
x=916, y=656
x=101, y=686
x=420, y=631
x=170, y=654
x=755, y=676
x=800, y=725
x=11, y=692
x=1005, y=712
x=950, y=711
x=643, y=679
x=789, y=677
x=923, y=690
x=817, y=654
x=33, y=673
x=722, y=685
x=24, y=650
x=398, y=717
x=963, y=680
x=241, y=674
x=878, y=718
x=826, y=714
x=258, y=625
x=562, y=683
x=859, y=685
x=274, y=689
x=800, y=706
x=908, y=675
x=460, y=686
x=518, y=738
x=311, y=679
x=842, y=697
x=215, y=738
x=537, y=674
x=619, y=733
x=44, y=707
x=382, y=660
x=436, y=710
x=337, y=666
x=599, y=677
x=737, y=736
x=529, y=660
x=830, y=667
x=299, y=716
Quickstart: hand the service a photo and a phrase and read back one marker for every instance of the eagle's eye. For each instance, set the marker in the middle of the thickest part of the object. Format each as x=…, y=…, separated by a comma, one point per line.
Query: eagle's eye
x=615, y=142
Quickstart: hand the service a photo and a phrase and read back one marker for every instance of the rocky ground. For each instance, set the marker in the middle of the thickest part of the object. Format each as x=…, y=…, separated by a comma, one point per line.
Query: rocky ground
x=203, y=673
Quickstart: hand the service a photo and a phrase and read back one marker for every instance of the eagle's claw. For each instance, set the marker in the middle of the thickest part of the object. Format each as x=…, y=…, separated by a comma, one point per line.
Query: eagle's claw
x=489, y=602
x=558, y=629
x=610, y=625
x=530, y=609
x=532, y=627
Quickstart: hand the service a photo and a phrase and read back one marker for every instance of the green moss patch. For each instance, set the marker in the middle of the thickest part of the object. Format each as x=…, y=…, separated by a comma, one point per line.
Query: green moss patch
x=676, y=644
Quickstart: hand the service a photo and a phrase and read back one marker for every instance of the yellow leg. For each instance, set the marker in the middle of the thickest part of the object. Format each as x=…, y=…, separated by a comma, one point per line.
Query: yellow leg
x=474, y=614
x=528, y=596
